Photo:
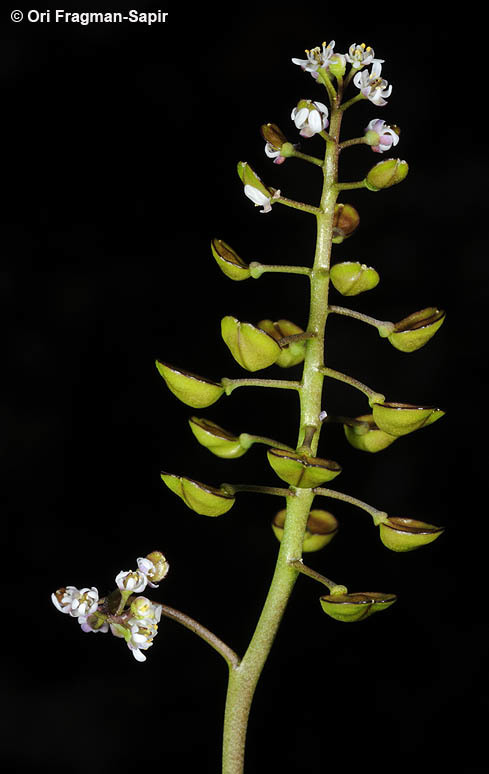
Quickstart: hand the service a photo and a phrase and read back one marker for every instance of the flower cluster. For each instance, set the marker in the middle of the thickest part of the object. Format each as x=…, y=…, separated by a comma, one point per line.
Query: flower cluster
x=135, y=620
x=370, y=84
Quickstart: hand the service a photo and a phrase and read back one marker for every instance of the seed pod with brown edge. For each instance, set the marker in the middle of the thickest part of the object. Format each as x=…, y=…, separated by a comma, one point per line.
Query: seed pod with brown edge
x=193, y=390
x=219, y=441
x=321, y=528
x=400, y=534
x=291, y=353
x=403, y=418
x=364, y=434
x=351, y=278
x=250, y=346
x=201, y=498
x=301, y=470
x=355, y=607
x=414, y=331
x=345, y=221
x=229, y=261
x=386, y=174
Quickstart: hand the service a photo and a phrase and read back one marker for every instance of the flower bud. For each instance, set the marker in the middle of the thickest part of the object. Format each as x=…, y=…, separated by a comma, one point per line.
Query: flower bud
x=154, y=566
x=414, y=331
x=403, y=418
x=300, y=470
x=386, y=173
x=193, y=390
x=355, y=607
x=320, y=530
x=351, y=278
x=250, y=346
x=366, y=436
x=229, y=261
x=345, y=220
x=273, y=135
x=401, y=534
x=201, y=498
x=291, y=354
x=219, y=441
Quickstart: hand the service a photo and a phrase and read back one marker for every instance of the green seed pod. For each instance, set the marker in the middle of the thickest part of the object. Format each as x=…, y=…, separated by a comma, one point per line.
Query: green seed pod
x=250, y=346
x=291, y=354
x=345, y=220
x=386, y=173
x=201, y=498
x=367, y=436
x=403, y=418
x=300, y=470
x=351, y=278
x=193, y=390
x=219, y=441
x=401, y=534
x=320, y=530
x=414, y=331
x=229, y=261
x=337, y=65
x=355, y=607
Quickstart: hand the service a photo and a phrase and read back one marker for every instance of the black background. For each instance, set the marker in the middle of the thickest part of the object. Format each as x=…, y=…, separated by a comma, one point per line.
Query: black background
x=118, y=167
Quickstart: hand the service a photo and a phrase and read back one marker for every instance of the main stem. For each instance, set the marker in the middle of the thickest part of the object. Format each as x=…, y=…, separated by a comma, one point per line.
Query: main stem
x=244, y=677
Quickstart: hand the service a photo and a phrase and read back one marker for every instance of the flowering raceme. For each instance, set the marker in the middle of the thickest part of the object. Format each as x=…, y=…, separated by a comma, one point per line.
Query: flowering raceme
x=136, y=620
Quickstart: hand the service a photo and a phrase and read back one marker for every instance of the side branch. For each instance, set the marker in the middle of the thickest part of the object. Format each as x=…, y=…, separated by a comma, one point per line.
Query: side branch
x=372, y=395
x=231, y=384
x=226, y=652
x=378, y=516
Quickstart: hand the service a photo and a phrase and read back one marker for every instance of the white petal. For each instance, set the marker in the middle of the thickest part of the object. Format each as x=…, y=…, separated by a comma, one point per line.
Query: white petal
x=257, y=197
x=138, y=655
x=315, y=121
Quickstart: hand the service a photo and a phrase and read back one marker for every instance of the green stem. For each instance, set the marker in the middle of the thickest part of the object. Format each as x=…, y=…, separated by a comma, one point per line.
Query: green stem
x=363, y=317
x=176, y=615
x=350, y=186
x=305, y=570
x=305, y=157
x=243, y=679
x=272, y=490
x=355, y=141
x=295, y=205
x=257, y=269
x=281, y=384
x=377, y=516
x=372, y=395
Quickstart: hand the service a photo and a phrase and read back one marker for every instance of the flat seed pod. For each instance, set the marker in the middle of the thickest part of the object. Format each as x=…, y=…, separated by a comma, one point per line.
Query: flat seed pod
x=219, y=441
x=195, y=391
x=300, y=470
x=201, y=498
x=400, y=534
x=403, y=418
x=321, y=528
x=229, y=261
x=355, y=607
x=250, y=346
x=369, y=438
x=414, y=331
x=351, y=278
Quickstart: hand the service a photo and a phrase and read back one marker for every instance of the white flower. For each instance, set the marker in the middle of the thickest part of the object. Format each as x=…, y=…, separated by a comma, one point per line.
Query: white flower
x=360, y=56
x=258, y=198
x=387, y=137
x=141, y=638
x=372, y=86
x=129, y=580
x=76, y=602
x=316, y=58
x=310, y=117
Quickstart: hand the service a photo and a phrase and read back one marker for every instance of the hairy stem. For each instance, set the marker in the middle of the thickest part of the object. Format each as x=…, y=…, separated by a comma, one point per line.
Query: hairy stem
x=243, y=679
